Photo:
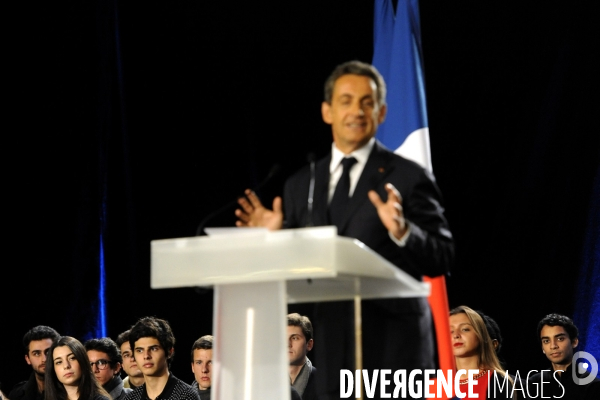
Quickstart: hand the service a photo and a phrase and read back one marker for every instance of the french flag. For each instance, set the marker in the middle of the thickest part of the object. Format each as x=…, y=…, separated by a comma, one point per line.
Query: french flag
x=397, y=56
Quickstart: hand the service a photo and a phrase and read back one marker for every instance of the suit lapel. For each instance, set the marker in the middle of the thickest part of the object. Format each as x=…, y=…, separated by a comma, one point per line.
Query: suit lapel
x=376, y=169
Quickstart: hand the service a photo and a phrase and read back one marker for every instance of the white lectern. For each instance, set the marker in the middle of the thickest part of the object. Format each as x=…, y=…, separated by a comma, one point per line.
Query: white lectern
x=255, y=273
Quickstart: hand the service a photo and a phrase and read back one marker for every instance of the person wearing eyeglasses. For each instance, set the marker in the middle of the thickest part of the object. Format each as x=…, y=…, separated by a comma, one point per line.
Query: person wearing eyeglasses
x=69, y=375
x=106, y=361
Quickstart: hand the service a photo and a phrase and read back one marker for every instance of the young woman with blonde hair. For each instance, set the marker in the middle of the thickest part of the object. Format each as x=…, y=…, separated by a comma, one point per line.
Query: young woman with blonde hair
x=474, y=350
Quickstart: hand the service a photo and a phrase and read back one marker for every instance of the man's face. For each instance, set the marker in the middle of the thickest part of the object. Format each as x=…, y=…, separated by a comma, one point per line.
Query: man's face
x=109, y=371
x=36, y=356
x=129, y=365
x=557, y=345
x=465, y=342
x=202, y=367
x=354, y=113
x=298, y=347
x=151, y=357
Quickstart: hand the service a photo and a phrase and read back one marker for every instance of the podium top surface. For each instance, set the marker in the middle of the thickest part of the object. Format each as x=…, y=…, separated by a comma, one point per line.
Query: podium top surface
x=317, y=264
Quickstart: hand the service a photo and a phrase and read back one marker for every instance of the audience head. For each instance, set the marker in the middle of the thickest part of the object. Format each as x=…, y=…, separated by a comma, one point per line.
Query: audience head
x=152, y=337
x=355, y=68
x=300, y=338
x=202, y=361
x=559, y=320
x=558, y=336
x=471, y=338
x=70, y=370
x=37, y=342
x=354, y=104
x=105, y=358
x=493, y=330
x=129, y=365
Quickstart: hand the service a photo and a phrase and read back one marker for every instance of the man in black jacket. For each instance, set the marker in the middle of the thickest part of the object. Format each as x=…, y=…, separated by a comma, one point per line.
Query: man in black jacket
x=390, y=204
x=559, y=338
x=37, y=342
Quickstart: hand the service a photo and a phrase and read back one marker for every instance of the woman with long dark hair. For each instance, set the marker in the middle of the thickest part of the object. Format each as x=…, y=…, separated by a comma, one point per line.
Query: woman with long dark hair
x=69, y=375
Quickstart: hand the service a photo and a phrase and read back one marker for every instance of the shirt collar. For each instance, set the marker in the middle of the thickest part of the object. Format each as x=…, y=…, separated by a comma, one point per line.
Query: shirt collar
x=361, y=155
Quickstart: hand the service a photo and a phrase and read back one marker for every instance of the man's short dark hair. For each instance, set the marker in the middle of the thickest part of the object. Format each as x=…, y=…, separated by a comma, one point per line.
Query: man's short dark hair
x=204, y=343
x=356, y=68
x=105, y=345
x=38, y=333
x=156, y=328
x=122, y=338
x=558, y=320
x=303, y=322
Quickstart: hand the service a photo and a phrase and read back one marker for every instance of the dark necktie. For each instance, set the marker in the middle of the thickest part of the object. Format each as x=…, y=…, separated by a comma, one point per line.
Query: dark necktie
x=340, y=199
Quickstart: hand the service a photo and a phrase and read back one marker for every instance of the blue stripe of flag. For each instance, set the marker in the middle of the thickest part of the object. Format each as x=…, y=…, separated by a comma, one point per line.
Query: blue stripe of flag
x=397, y=55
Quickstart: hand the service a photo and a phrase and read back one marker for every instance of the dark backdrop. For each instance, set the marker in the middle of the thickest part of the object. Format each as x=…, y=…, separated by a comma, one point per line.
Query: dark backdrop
x=129, y=122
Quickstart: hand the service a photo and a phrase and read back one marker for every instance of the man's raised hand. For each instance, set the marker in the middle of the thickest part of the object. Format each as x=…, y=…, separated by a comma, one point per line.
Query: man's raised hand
x=390, y=212
x=253, y=214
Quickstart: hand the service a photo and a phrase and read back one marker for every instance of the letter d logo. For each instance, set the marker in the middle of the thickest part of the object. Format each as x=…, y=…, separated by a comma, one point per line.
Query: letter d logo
x=575, y=367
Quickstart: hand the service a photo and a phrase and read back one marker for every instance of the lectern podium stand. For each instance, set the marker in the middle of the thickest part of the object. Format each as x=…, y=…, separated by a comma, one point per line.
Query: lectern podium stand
x=255, y=273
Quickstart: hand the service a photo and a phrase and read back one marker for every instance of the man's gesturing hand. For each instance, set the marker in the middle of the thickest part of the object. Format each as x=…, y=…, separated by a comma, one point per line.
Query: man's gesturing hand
x=253, y=213
x=390, y=212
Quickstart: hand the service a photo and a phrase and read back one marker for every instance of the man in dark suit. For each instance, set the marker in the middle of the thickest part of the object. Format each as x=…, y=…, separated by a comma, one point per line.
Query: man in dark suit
x=387, y=202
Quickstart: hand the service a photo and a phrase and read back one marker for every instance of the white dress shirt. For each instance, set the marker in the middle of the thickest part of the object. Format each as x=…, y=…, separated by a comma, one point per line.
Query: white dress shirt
x=336, y=169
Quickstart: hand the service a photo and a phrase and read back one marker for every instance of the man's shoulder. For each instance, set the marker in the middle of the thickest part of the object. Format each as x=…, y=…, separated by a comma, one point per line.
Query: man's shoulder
x=135, y=394
x=125, y=391
x=538, y=376
x=180, y=383
x=400, y=163
x=18, y=391
x=592, y=390
x=195, y=386
x=184, y=391
x=295, y=394
x=304, y=172
x=24, y=390
x=310, y=391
